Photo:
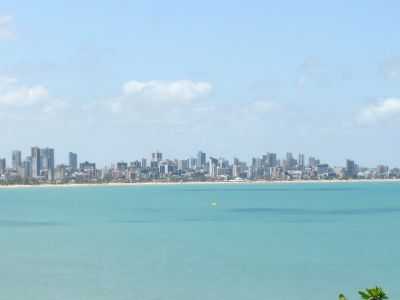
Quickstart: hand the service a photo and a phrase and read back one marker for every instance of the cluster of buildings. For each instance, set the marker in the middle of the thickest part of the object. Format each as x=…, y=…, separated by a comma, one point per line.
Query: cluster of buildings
x=39, y=167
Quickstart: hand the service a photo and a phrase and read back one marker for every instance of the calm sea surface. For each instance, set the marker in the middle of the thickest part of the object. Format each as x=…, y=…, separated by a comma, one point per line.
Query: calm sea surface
x=294, y=241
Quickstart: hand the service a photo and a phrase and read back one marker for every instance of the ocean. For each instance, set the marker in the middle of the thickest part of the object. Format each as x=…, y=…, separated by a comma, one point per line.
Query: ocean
x=199, y=242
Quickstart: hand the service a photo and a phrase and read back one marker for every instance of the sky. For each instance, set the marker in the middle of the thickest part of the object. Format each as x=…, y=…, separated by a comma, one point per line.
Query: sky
x=117, y=80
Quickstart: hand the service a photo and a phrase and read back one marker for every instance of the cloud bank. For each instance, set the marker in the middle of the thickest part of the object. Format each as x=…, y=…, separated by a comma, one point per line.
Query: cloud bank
x=26, y=101
x=180, y=91
x=384, y=110
x=140, y=96
x=14, y=95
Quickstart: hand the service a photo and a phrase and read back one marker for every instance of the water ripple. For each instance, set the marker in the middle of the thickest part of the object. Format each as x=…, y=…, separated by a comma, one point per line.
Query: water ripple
x=272, y=189
x=298, y=211
x=19, y=223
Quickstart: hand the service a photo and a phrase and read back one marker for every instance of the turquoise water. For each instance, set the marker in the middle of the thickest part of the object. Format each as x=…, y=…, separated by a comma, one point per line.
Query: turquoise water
x=303, y=241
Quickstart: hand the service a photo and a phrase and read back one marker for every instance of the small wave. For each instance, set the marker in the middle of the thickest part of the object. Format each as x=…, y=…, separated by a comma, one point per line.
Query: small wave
x=18, y=223
x=334, y=212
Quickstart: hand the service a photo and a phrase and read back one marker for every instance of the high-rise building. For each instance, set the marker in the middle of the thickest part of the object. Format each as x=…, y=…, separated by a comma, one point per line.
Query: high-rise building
x=323, y=169
x=156, y=156
x=272, y=160
x=183, y=164
x=313, y=162
x=154, y=165
x=213, y=167
x=88, y=168
x=301, y=161
x=290, y=161
x=73, y=161
x=135, y=164
x=201, y=160
x=50, y=164
x=167, y=167
x=122, y=166
x=223, y=163
x=60, y=172
x=47, y=162
x=351, y=168
x=27, y=167
x=236, y=170
x=43, y=159
x=144, y=163
x=193, y=163
x=3, y=165
x=36, y=164
x=382, y=171
x=16, y=158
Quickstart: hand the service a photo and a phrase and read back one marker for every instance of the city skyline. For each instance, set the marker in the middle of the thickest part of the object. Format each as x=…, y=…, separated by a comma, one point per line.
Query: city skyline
x=302, y=158
x=41, y=167
x=307, y=76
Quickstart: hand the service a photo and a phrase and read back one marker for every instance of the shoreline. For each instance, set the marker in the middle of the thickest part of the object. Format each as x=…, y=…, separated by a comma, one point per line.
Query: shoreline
x=244, y=182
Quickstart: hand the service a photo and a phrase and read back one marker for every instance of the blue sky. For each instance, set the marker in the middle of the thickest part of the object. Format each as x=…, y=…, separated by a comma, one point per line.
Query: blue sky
x=119, y=79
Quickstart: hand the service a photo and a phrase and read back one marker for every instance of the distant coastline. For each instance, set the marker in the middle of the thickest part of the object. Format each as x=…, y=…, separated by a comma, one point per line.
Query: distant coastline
x=169, y=183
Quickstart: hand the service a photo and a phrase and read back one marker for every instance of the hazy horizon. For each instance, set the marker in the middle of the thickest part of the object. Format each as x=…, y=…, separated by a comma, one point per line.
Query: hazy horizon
x=117, y=81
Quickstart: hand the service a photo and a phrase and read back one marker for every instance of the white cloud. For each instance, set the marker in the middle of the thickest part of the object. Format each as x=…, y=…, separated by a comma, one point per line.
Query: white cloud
x=14, y=95
x=6, y=27
x=143, y=100
x=181, y=105
x=24, y=96
x=386, y=109
x=21, y=102
x=179, y=92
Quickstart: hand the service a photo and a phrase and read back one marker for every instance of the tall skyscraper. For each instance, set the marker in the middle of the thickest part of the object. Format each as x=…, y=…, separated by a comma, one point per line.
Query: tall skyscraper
x=122, y=166
x=183, y=164
x=156, y=156
x=193, y=163
x=290, y=161
x=301, y=163
x=47, y=162
x=272, y=159
x=50, y=164
x=236, y=171
x=201, y=160
x=3, y=166
x=144, y=163
x=213, y=167
x=36, y=163
x=16, y=158
x=135, y=164
x=27, y=166
x=73, y=161
x=351, y=168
